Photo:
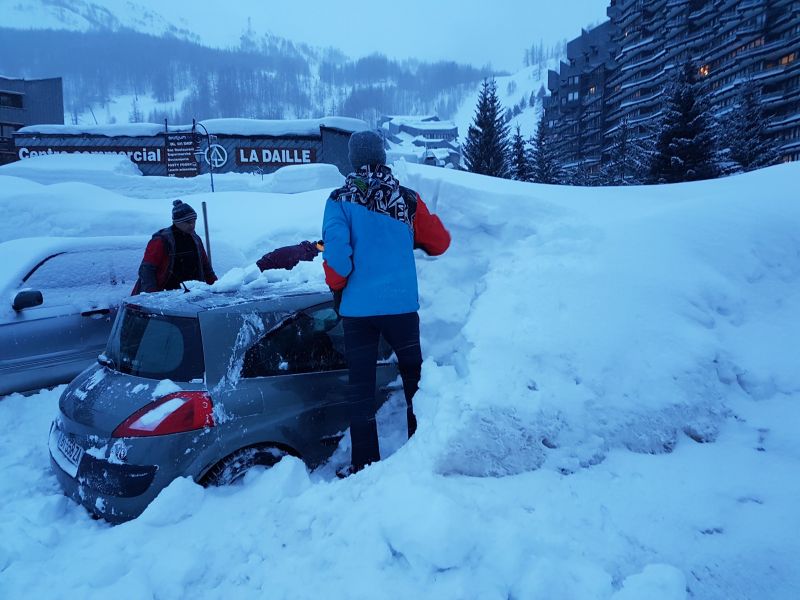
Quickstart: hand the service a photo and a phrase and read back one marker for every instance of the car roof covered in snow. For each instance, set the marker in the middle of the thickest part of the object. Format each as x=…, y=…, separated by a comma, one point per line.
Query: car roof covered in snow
x=201, y=299
x=19, y=257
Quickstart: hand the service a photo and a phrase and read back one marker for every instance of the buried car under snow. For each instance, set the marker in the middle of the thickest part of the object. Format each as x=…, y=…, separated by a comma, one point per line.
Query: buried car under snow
x=58, y=300
x=203, y=385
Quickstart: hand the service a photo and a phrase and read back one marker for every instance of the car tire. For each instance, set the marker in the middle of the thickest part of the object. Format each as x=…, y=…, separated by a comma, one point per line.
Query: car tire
x=232, y=469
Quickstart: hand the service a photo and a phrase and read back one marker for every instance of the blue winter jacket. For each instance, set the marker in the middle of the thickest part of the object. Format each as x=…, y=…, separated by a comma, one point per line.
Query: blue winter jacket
x=370, y=228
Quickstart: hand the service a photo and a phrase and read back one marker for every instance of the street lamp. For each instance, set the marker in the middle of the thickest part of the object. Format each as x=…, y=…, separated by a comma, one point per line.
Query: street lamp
x=208, y=149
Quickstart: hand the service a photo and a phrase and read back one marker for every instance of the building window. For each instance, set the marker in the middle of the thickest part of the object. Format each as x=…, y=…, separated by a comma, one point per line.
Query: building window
x=704, y=71
x=10, y=100
x=592, y=89
x=6, y=129
x=785, y=60
x=573, y=96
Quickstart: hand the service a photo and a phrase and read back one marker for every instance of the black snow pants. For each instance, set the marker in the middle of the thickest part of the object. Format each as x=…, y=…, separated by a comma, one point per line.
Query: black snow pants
x=361, y=337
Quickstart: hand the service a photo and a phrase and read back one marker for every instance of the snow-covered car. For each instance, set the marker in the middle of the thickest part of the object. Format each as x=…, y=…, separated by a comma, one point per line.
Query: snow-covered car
x=59, y=300
x=60, y=296
x=204, y=385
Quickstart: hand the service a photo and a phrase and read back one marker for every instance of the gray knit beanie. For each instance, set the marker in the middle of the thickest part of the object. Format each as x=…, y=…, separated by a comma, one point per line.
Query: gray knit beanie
x=366, y=148
x=182, y=212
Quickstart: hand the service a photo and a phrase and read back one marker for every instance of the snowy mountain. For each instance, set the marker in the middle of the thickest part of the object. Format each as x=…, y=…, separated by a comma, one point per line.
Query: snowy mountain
x=514, y=91
x=163, y=78
x=607, y=410
x=82, y=15
x=142, y=77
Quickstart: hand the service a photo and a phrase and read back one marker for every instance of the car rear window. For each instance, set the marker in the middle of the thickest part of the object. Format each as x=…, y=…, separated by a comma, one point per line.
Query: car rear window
x=156, y=346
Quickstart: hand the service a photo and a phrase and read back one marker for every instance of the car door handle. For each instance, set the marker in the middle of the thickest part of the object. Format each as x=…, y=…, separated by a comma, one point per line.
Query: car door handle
x=96, y=313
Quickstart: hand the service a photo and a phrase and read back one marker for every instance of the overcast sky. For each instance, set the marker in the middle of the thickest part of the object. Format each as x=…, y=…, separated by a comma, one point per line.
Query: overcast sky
x=472, y=31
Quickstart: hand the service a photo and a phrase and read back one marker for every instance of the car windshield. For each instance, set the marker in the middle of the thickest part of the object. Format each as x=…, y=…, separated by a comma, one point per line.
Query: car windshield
x=156, y=346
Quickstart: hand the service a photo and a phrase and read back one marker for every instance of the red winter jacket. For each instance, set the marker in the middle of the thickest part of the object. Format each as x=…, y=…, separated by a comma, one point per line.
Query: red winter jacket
x=159, y=259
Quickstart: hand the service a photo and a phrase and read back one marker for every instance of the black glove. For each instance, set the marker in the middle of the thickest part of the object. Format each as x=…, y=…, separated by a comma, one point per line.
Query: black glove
x=337, y=300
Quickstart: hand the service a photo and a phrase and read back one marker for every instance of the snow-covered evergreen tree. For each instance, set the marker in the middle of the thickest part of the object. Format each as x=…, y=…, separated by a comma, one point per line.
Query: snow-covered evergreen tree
x=628, y=158
x=543, y=164
x=520, y=159
x=486, y=146
x=746, y=139
x=684, y=148
x=135, y=115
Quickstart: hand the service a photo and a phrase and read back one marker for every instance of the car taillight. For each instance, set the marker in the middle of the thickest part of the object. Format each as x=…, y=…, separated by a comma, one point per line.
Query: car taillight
x=174, y=413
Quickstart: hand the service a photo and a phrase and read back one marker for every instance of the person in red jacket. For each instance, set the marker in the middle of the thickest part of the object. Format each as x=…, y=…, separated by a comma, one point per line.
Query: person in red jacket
x=174, y=255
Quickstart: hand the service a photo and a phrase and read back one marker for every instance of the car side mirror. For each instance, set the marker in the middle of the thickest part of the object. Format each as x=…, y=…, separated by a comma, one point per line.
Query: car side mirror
x=27, y=299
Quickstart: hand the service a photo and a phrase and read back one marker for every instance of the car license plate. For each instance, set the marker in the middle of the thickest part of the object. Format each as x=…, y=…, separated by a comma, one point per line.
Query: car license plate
x=65, y=452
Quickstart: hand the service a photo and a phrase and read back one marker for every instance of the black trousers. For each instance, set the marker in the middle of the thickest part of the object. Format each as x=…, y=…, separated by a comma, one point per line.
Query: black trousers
x=361, y=337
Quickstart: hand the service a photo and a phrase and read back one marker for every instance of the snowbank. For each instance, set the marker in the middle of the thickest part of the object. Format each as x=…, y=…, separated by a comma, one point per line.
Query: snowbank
x=88, y=164
x=293, y=179
x=607, y=410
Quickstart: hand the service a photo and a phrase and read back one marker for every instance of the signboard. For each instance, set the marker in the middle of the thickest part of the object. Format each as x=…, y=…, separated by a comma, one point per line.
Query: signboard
x=143, y=154
x=275, y=157
x=216, y=156
x=180, y=148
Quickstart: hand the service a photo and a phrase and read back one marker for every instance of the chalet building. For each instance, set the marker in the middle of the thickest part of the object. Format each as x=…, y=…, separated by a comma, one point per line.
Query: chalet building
x=619, y=69
x=423, y=139
x=27, y=102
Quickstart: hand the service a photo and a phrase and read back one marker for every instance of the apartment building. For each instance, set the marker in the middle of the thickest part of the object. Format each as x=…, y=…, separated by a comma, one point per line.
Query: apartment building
x=27, y=102
x=619, y=70
x=575, y=110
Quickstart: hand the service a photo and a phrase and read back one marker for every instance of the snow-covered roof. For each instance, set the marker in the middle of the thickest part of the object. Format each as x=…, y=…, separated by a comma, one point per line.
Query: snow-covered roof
x=430, y=125
x=282, y=127
x=442, y=153
x=412, y=118
x=214, y=126
x=120, y=129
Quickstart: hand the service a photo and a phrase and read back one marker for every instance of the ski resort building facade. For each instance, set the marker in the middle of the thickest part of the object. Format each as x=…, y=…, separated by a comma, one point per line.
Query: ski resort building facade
x=618, y=71
x=25, y=102
x=221, y=145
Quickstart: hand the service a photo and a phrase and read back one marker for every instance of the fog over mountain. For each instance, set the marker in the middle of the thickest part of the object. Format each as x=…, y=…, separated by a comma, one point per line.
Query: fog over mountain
x=467, y=32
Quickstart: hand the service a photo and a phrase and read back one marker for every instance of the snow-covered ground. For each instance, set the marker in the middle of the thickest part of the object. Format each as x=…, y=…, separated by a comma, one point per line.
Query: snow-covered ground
x=608, y=406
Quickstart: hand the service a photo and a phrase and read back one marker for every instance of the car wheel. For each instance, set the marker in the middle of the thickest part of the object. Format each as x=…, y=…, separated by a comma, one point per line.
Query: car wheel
x=232, y=469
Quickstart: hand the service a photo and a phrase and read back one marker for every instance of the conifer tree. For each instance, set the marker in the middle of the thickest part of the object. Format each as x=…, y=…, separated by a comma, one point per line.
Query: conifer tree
x=684, y=149
x=543, y=164
x=486, y=146
x=520, y=160
x=628, y=157
x=746, y=137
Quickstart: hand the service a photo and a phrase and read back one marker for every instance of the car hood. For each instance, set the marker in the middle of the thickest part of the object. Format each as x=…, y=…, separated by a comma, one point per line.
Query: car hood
x=101, y=398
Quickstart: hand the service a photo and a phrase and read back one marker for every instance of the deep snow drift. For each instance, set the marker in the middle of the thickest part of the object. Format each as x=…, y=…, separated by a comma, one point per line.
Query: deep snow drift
x=607, y=409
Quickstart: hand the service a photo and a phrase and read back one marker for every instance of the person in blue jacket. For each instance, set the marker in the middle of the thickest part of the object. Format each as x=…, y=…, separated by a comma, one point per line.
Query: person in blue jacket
x=370, y=229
